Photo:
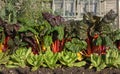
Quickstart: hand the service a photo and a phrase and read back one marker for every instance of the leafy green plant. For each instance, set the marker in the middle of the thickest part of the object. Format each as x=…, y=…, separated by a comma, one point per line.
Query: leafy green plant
x=27, y=34
x=115, y=36
x=35, y=61
x=54, y=36
x=75, y=45
x=4, y=58
x=69, y=59
x=112, y=58
x=18, y=59
x=56, y=32
x=98, y=26
x=101, y=44
x=50, y=59
x=33, y=26
x=103, y=40
x=97, y=61
x=75, y=29
x=52, y=19
x=9, y=12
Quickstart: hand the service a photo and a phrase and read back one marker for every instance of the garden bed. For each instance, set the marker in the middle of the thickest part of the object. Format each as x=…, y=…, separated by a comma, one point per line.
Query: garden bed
x=64, y=70
x=45, y=43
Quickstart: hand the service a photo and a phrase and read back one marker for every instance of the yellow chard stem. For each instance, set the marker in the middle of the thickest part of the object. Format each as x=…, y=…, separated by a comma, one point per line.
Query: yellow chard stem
x=36, y=38
x=79, y=55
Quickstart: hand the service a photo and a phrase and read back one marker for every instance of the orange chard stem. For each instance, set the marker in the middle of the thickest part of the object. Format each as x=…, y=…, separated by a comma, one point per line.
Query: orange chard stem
x=5, y=43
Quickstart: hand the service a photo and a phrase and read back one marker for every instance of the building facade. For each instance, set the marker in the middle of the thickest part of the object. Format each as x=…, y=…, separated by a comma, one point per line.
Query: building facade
x=74, y=9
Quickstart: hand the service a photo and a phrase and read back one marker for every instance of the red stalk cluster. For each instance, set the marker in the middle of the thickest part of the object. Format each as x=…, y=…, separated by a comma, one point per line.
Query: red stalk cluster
x=5, y=45
x=57, y=45
x=100, y=49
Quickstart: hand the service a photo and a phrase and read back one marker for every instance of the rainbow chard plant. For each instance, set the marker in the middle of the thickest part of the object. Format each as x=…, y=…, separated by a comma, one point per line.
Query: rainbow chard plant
x=56, y=31
x=30, y=41
x=9, y=35
x=54, y=38
x=63, y=31
x=98, y=30
x=101, y=44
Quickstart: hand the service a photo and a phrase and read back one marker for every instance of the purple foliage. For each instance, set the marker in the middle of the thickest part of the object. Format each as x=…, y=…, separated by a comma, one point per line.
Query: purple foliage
x=53, y=20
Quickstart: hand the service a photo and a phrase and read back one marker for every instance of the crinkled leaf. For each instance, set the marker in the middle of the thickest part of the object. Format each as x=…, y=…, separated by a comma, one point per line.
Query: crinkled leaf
x=107, y=41
x=94, y=58
x=115, y=35
x=19, y=57
x=67, y=58
x=112, y=57
x=4, y=58
x=51, y=59
x=35, y=60
x=75, y=45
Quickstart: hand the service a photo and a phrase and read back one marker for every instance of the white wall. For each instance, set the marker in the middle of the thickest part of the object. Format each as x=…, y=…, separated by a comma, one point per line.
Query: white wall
x=119, y=13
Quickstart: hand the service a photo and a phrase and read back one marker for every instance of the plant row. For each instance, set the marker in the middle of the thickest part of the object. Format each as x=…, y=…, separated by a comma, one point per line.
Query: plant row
x=37, y=38
x=24, y=57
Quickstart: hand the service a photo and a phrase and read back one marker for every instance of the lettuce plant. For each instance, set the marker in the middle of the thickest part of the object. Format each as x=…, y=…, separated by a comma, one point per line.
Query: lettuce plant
x=69, y=59
x=4, y=58
x=18, y=59
x=112, y=58
x=97, y=61
x=35, y=61
x=50, y=59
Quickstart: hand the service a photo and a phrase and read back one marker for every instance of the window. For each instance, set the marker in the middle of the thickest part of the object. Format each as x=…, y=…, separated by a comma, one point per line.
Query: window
x=74, y=9
x=58, y=7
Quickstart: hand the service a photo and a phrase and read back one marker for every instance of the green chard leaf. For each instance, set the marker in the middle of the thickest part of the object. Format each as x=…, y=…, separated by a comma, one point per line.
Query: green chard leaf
x=75, y=45
x=47, y=40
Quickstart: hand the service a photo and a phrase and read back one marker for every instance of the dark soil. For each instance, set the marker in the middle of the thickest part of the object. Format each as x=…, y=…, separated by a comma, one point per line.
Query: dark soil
x=65, y=70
